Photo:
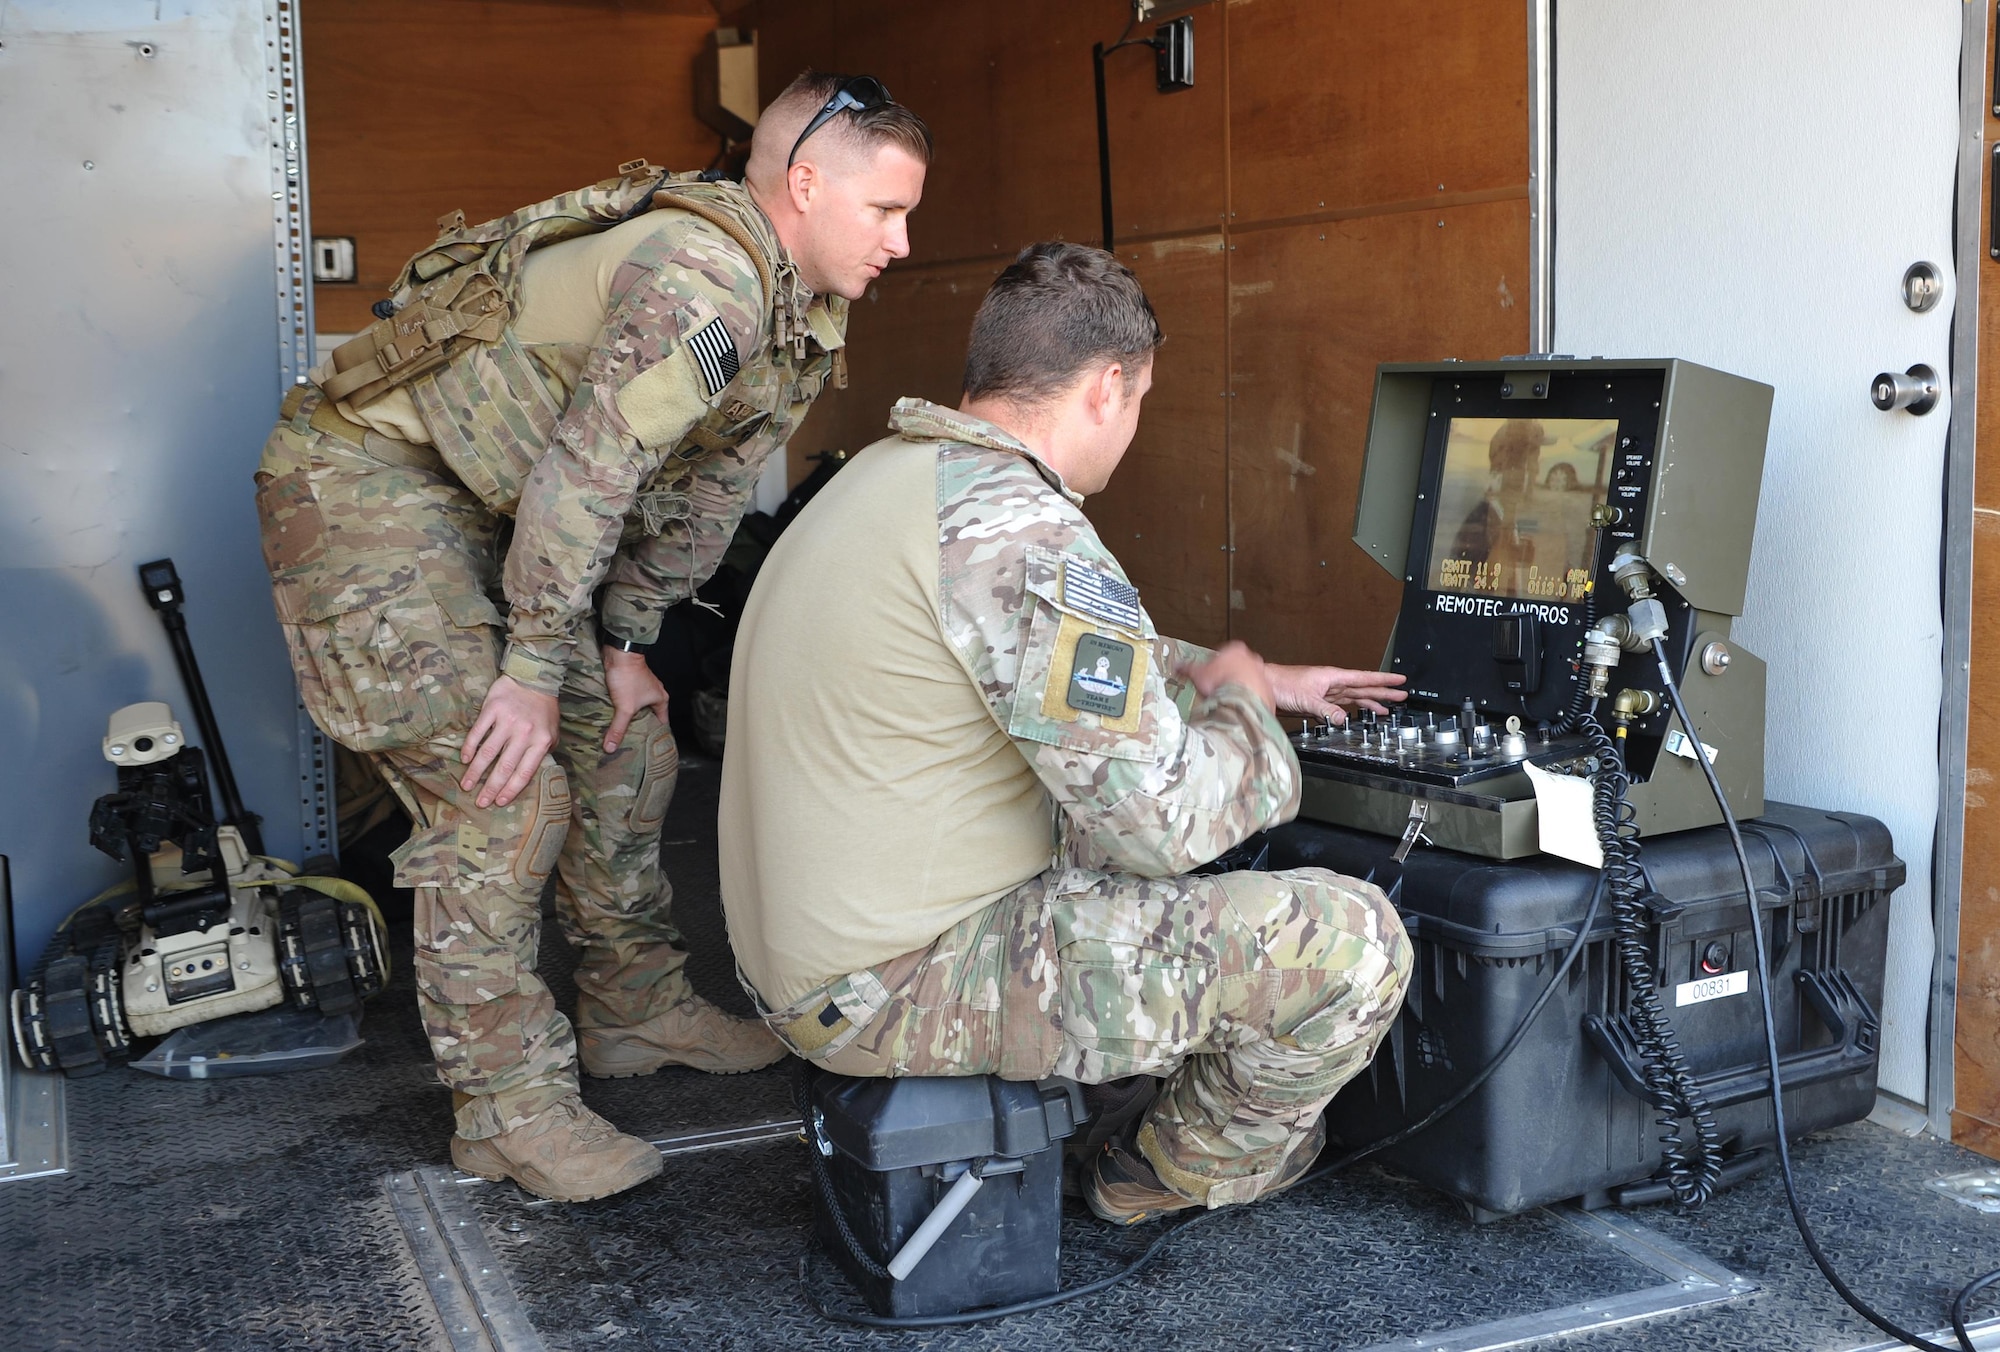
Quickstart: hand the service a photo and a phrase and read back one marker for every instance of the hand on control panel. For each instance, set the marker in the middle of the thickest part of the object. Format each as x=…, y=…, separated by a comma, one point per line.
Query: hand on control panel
x=1328, y=692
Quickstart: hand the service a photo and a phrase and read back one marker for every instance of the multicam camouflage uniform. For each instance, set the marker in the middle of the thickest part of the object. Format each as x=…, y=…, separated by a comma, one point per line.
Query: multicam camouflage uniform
x=1258, y=994
x=625, y=465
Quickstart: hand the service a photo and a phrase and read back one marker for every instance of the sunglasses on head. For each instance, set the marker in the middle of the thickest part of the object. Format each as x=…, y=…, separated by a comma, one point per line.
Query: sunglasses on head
x=862, y=93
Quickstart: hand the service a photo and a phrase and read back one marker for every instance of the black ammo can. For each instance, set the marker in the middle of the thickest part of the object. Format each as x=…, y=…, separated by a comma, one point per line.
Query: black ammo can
x=893, y=1150
x=1563, y=1116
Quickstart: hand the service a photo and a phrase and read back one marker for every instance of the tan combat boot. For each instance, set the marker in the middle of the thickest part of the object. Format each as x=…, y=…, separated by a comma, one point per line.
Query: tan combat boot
x=566, y=1154
x=692, y=1033
x=1123, y=1188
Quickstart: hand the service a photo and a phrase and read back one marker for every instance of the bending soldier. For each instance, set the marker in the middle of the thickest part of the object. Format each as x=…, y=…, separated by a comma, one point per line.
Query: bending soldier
x=567, y=412
x=967, y=782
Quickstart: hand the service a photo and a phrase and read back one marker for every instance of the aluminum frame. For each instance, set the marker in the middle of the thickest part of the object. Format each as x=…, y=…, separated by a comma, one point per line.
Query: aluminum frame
x=1541, y=174
x=34, y=1126
x=1948, y=857
x=291, y=237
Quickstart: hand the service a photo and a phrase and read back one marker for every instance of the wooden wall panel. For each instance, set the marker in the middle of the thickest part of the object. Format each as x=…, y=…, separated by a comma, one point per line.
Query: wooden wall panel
x=938, y=60
x=1349, y=103
x=1975, y=1116
x=1165, y=513
x=792, y=35
x=419, y=107
x=1313, y=309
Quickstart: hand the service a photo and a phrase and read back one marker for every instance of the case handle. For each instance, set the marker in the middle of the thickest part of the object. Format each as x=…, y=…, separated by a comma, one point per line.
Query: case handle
x=1832, y=995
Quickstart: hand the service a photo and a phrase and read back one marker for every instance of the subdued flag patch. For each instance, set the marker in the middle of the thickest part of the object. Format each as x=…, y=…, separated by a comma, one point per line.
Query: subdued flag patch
x=715, y=352
x=1098, y=594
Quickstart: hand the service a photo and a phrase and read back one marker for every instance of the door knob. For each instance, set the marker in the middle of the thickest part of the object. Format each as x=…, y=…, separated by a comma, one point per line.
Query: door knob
x=1917, y=390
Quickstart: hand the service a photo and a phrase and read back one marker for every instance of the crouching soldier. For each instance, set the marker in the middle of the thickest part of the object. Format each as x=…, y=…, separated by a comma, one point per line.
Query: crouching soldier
x=967, y=782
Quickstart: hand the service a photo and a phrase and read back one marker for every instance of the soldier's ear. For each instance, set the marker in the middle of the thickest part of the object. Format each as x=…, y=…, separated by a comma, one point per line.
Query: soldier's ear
x=804, y=182
x=1106, y=389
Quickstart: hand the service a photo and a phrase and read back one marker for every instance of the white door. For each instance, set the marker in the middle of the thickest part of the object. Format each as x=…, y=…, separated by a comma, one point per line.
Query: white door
x=1744, y=186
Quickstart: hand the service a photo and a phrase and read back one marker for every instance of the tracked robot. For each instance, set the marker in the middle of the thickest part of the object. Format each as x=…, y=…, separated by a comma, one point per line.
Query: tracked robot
x=206, y=927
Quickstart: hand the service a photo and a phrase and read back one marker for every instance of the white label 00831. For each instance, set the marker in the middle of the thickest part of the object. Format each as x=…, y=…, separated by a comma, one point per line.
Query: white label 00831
x=1711, y=988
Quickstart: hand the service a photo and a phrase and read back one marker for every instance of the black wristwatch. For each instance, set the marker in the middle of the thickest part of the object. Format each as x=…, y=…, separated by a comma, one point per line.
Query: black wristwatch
x=607, y=639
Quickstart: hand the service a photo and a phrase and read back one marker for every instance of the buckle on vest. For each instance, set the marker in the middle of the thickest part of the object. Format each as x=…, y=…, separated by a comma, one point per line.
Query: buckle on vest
x=658, y=507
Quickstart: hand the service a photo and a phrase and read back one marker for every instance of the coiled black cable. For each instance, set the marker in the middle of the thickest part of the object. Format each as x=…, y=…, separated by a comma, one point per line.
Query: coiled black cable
x=1694, y=1169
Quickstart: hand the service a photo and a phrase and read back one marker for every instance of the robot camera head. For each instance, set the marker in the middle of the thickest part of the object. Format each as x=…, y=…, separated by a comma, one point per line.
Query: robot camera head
x=140, y=734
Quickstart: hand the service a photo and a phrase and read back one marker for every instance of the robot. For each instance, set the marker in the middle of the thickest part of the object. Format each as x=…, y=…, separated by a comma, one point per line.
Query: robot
x=207, y=927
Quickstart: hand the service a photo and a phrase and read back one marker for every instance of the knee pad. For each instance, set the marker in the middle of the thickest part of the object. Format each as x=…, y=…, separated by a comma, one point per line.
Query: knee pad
x=656, y=781
x=547, y=826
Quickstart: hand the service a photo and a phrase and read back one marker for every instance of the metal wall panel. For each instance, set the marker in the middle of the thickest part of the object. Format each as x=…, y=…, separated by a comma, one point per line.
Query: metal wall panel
x=141, y=361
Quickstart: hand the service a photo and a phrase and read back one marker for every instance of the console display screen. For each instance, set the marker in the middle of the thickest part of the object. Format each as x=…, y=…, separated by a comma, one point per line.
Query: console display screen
x=1514, y=506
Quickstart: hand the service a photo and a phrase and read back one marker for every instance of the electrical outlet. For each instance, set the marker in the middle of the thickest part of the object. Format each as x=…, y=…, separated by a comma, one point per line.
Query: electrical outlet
x=333, y=258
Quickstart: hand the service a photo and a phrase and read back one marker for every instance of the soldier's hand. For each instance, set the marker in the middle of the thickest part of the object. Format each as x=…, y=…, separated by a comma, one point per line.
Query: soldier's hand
x=1329, y=692
x=516, y=728
x=1233, y=663
x=633, y=687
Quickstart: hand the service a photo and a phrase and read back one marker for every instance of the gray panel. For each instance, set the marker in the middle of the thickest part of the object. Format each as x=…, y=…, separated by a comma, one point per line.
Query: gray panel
x=138, y=218
x=1395, y=458
x=1707, y=471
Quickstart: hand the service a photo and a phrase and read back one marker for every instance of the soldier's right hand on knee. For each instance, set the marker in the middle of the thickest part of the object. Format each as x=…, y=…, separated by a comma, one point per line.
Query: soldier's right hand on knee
x=516, y=728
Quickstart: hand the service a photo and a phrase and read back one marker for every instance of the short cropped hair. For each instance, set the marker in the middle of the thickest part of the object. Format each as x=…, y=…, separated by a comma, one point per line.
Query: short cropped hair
x=869, y=128
x=1057, y=311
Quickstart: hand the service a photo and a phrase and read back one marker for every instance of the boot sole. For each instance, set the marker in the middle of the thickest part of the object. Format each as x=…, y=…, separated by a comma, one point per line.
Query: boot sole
x=502, y=1176
x=1125, y=1218
x=633, y=1070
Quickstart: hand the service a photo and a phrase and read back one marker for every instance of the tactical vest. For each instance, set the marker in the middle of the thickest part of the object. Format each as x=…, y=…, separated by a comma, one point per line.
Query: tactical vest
x=446, y=335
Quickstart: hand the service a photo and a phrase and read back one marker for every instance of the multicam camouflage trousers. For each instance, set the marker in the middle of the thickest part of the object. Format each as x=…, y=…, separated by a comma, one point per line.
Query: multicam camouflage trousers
x=1257, y=994
x=383, y=566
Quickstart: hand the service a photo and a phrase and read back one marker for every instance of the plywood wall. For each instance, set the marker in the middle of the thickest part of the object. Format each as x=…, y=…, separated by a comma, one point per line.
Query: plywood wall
x=415, y=108
x=1975, y=1114
x=1346, y=184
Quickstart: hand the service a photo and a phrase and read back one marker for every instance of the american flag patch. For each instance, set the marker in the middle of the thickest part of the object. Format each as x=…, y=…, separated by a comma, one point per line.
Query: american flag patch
x=1101, y=596
x=715, y=352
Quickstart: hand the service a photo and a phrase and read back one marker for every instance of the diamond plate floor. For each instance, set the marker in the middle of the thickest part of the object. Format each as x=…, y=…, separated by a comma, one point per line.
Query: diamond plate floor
x=255, y=1214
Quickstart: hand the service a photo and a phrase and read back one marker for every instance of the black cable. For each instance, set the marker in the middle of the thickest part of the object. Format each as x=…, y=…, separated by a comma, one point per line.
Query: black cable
x=1097, y=54
x=823, y=1176
x=1579, y=688
x=1771, y=1052
x=1694, y=1170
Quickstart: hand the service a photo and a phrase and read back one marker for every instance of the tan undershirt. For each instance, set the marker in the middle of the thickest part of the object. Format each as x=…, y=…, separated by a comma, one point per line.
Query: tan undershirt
x=869, y=800
x=565, y=296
